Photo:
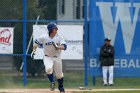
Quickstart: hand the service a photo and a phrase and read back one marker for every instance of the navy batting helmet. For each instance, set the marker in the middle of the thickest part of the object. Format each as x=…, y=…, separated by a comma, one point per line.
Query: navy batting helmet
x=51, y=26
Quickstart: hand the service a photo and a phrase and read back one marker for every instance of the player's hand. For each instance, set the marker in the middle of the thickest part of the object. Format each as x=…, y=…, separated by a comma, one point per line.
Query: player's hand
x=33, y=53
x=55, y=45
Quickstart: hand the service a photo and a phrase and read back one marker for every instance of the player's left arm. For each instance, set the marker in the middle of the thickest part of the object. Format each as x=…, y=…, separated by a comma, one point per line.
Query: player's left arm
x=62, y=47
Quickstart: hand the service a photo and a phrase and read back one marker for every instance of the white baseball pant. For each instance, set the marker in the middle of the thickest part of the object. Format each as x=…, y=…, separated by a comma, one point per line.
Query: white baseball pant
x=53, y=64
x=105, y=71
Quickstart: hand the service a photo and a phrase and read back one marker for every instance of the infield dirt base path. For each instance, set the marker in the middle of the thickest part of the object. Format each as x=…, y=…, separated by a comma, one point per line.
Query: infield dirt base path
x=56, y=91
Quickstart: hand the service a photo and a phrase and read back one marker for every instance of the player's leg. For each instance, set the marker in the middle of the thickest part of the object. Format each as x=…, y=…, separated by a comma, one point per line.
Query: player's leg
x=48, y=62
x=59, y=74
x=104, y=72
x=60, y=85
x=111, y=72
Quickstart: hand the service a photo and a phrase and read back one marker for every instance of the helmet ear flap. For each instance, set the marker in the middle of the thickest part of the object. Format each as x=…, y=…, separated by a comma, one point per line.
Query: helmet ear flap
x=50, y=32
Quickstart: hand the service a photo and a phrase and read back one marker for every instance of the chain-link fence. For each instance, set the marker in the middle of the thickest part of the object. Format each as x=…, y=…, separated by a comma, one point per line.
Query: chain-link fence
x=21, y=15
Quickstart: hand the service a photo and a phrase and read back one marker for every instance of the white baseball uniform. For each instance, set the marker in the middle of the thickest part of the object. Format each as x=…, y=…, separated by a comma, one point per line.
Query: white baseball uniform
x=52, y=57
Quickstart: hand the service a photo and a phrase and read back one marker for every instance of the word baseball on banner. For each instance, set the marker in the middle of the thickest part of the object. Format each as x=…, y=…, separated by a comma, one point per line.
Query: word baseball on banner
x=6, y=40
x=73, y=35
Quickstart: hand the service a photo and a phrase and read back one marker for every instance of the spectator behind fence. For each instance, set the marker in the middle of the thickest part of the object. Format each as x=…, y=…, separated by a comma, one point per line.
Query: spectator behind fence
x=107, y=62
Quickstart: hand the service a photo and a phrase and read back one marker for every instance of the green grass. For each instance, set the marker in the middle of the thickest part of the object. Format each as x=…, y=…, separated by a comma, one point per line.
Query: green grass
x=111, y=92
x=71, y=80
x=124, y=82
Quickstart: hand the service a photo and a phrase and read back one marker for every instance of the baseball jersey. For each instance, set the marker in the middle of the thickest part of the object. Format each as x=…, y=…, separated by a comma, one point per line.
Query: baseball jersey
x=48, y=47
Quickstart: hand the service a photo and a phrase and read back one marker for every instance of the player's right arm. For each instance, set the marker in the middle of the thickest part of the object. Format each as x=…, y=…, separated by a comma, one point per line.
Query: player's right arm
x=34, y=49
x=37, y=43
x=103, y=52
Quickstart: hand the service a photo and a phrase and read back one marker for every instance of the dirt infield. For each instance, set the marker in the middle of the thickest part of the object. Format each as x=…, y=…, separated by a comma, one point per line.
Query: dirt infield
x=56, y=91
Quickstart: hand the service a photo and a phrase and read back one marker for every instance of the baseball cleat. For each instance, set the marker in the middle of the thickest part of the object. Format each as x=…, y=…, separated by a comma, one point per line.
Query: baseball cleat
x=52, y=86
x=110, y=84
x=62, y=92
x=105, y=84
x=61, y=89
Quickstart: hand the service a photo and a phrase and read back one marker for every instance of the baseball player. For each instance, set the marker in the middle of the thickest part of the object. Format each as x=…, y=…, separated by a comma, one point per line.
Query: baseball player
x=52, y=43
x=107, y=62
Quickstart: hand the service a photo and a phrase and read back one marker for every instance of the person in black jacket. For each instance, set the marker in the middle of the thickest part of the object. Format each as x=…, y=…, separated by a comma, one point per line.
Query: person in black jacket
x=107, y=62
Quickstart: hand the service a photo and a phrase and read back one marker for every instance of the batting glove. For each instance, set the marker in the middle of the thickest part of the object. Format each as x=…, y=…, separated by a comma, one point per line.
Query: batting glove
x=55, y=45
